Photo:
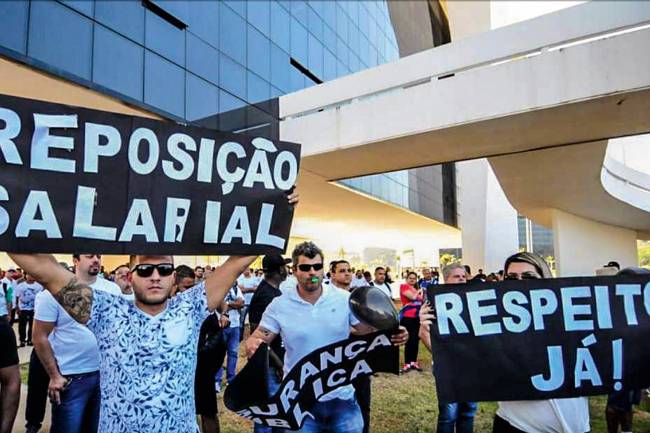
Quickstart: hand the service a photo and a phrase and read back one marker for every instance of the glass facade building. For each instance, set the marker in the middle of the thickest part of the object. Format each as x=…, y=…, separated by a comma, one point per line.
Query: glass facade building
x=534, y=237
x=220, y=64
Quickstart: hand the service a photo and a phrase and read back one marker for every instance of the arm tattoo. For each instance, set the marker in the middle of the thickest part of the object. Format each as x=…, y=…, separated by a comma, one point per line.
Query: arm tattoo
x=77, y=299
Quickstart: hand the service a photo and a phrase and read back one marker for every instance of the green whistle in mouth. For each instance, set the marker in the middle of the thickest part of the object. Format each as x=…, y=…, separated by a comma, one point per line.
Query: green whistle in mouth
x=314, y=280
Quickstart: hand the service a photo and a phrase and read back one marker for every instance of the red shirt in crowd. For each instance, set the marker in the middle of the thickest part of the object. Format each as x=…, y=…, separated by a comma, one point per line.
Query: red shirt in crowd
x=411, y=312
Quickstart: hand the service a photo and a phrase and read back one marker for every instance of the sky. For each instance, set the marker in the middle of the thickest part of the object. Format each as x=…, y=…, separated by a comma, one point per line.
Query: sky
x=506, y=12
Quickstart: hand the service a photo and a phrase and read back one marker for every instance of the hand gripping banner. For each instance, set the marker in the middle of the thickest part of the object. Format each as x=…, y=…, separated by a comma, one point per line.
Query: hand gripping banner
x=315, y=375
x=541, y=339
x=74, y=180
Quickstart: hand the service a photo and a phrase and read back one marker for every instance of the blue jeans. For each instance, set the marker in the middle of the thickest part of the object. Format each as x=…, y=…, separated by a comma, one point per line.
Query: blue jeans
x=231, y=337
x=274, y=385
x=460, y=415
x=334, y=416
x=79, y=408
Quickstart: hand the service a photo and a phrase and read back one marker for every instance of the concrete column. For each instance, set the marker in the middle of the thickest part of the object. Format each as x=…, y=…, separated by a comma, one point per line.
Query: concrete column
x=488, y=222
x=582, y=245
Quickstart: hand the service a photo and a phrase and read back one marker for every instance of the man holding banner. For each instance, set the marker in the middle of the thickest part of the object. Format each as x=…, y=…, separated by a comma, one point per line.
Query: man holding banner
x=454, y=416
x=147, y=348
x=307, y=318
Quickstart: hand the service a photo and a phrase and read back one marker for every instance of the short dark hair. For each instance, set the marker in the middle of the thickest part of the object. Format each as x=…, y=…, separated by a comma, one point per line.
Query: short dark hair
x=196, y=267
x=379, y=268
x=335, y=263
x=184, y=271
x=76, y=256
x=367, y=274
x=307, y=249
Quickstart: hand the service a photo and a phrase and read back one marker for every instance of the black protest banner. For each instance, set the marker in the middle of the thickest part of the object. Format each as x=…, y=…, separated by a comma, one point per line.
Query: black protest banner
x=540, y=339
x=315, y=375
x=75, y=180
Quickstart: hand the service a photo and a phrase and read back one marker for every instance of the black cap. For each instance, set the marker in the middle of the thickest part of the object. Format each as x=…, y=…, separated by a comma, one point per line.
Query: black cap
x=273, y=262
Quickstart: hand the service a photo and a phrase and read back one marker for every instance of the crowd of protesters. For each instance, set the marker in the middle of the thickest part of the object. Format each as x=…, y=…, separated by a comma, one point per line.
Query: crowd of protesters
x=92, y=332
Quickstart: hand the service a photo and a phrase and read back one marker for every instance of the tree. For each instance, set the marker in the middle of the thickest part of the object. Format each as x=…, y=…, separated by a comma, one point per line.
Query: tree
x=447, y=259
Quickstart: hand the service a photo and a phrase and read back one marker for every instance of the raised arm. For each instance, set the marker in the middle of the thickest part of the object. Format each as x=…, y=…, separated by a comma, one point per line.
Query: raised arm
x=76, y=298
x=222, y=279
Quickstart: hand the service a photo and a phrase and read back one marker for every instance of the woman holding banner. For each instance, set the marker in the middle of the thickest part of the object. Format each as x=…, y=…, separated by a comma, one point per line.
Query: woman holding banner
x=562, y=415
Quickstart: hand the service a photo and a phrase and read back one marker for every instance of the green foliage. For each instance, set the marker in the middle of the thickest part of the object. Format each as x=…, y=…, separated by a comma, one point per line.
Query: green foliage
x=447, y=259
x=644, y=256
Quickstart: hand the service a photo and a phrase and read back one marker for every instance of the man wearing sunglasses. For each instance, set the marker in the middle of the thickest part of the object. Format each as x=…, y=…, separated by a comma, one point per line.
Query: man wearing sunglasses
x=147, y=348
x=308, y=317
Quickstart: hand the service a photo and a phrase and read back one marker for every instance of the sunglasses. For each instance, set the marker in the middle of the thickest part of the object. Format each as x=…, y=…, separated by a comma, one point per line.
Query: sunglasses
x=146, y=270
x=306, y=268
x=524, y=276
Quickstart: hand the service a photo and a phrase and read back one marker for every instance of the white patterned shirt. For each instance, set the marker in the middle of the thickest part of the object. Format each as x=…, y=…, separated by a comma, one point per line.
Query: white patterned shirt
x=147, y=363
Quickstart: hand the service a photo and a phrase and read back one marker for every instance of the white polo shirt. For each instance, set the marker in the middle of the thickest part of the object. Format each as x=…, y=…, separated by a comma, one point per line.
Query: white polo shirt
x=74, y=346
x=559, y=415
x=305, y=327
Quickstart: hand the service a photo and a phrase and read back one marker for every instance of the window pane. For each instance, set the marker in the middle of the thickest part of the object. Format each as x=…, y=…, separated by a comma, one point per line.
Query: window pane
x=202, y=59
x=259, y=15
x=204, y=21
x=299, y=11
x=232, y=116
x=280, y=27
x=238, y=6
x=177, y=9
x=342, y=51
x=341, y=24
x=201, y=101
x=280, y=67
x=353, y=42
x=232, y=76
x=259, y=53
x=315, y=56
x=297, y=79
x=315, y=24
x=14, y=26
x=329, y=70
x=127, y=19
x=165, y=39
x=83, y=6
x=299, y=42
x=232, y=31
x=329, y=39
x=164, y=84
x=118, y=63
x=61, y=37
x=258, y=89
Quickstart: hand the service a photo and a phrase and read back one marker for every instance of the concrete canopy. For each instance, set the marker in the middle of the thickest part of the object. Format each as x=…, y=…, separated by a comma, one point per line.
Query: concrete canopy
x=568, y=179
